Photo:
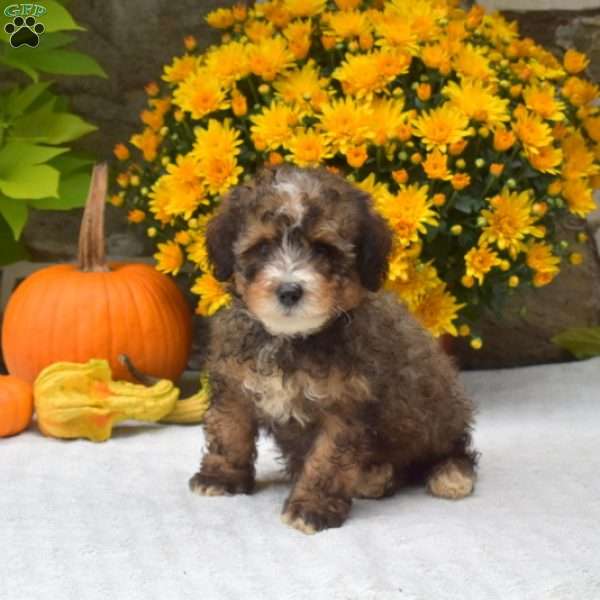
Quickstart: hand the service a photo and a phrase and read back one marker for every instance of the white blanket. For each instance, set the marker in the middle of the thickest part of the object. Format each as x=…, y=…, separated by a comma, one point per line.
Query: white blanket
x=115, y=521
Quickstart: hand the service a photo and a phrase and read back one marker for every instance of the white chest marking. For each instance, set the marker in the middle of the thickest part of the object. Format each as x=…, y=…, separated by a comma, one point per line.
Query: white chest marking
x=281, y=402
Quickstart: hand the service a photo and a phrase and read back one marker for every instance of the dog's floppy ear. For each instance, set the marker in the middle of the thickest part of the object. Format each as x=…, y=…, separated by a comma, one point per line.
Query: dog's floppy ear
x=373, y=245
x=221, y=233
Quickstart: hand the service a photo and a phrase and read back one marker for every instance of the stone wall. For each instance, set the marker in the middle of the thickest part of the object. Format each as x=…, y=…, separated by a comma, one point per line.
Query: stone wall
x=133, y=39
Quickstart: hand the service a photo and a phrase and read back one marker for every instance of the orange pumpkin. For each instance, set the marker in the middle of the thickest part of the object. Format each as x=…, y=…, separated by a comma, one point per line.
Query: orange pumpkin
x=16, y=405
x=97, y=310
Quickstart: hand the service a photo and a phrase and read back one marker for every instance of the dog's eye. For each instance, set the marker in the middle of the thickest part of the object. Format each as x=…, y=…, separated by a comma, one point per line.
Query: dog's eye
x=261, y=248
x=324, y=249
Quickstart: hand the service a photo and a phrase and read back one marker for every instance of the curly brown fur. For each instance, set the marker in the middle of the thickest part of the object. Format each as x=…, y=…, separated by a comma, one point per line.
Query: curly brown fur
x=359, y=397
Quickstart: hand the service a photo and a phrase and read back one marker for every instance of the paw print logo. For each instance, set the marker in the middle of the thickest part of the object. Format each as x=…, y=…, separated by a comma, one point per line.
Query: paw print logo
x=24, y=32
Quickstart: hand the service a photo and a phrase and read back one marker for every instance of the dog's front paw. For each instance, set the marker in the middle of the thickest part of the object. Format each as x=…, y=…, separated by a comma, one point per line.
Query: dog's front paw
x=205, y=484
x=310, y=516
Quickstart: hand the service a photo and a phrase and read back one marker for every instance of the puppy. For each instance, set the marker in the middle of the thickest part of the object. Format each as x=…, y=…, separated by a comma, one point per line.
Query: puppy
x=358, y=396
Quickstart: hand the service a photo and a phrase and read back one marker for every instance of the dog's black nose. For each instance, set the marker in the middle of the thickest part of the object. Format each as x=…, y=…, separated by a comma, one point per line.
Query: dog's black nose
x=289, y=293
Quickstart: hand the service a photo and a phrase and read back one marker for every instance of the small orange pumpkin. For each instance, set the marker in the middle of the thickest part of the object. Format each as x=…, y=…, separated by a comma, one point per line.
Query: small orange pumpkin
x=16, y=405
x=97, y=310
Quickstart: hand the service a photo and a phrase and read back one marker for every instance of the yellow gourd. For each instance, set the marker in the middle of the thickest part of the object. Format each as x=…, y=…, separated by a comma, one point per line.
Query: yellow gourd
x=75, y=400
x=192, y=409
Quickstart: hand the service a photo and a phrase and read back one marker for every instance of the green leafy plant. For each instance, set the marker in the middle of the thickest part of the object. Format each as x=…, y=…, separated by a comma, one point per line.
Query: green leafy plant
x=581, y=342
x=38, y=169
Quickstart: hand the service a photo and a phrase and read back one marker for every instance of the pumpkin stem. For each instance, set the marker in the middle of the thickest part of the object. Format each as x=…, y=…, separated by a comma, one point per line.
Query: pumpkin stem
x=133, y=371
x=91, y=255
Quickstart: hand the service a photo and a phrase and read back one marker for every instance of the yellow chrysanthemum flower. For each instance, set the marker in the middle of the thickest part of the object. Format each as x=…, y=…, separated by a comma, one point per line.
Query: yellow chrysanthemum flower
x=275, y=12
x=304, y=8
x=543, y=262
x=592, y=127
x=186, y=186
x=362, y=75
x=579, y=160
x=169, y=258
x=579, y=91
x=509, y=222
x=227, y=63
x=258, y=30
x=269, y=58
x=348, y=4
x=136, y=215
x=181, y=68
x=579, y=197
x=441, y=126
x=541, y=99
x=152, y=118
x=479, y=262
x=437, y=311
x=308, y=148
x=408, y=213
x=148, y=142
x=546, y=160
x=217, y=139
x=160, y=198
x=386, y=119
x=378, y=190
x=212, y=295
x=346, y=24
x=472, y=63
x=273, y=126
x=478, y=101
x=345, y=123
x=196, y=250
x=395, y=31
x=399, y=263
x=220, y=172
x=303, y=87
x=437, y=56
x=414, y=282
x=422, y=15
x=298, y=35
x=200, y=94
x=575, y=62
x=533, y=132
x=222, y=18
x=436, y=165
x=498, y=29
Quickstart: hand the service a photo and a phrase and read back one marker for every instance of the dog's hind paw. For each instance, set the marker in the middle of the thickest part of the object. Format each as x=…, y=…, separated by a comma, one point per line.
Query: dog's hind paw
x=451, y=480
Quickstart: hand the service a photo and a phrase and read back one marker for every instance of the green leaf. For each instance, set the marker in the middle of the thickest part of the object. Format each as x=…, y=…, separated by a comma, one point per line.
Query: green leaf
x=73, y=161
x=15, y=63
x=10, y=250
x=60, y=62
x=582, y=342
x=15, y=214
x=58, y=39
x=466, y=204
x=58, y=18
x=47, y=127
x=21, y=99
x=63, y=62
x=30, y=182
x=22, y=154
x=72, y=193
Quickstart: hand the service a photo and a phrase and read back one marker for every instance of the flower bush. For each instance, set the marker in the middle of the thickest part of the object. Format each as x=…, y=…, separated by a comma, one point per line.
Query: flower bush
x=476, y=145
